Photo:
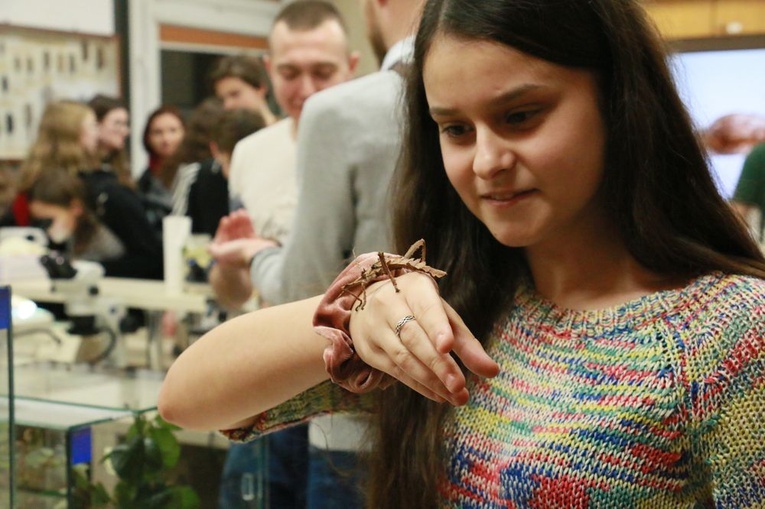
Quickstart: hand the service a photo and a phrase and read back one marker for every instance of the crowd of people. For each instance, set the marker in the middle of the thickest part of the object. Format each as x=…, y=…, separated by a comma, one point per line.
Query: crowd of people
x=568, y=333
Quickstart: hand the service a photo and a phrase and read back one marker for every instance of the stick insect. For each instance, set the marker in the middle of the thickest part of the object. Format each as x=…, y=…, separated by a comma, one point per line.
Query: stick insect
x=386, y=265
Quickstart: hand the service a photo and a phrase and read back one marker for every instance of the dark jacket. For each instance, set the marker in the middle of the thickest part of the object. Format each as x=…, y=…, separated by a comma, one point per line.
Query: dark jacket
x=120, y=209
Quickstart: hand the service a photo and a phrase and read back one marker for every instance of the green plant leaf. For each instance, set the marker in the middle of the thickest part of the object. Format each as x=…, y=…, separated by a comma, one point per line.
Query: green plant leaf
x=184, y=498
x=157, y=498
x=128, y=460
x=169, y=448
x=142, y=462
x=99, y=497
x=153, y=463
x=124, y=494
x=137, y=428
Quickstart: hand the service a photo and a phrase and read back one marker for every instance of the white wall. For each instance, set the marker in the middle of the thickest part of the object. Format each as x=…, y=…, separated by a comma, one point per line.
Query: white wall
x=145, y=17
x=238, y=16
x=90, y=16
x=351, y=11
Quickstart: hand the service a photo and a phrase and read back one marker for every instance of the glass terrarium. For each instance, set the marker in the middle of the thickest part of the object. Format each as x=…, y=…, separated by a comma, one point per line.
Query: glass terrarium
x=58, y=451
x=85, y=435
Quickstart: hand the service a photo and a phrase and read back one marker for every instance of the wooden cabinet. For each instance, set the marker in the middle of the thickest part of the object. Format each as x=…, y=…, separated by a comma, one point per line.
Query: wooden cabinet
x=694, y=19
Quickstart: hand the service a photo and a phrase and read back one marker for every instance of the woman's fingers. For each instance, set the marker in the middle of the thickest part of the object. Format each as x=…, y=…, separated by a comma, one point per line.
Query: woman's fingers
x=436, y=367
x=412, y=357
x=411, y=335
x=417, y=314
x=409, y=371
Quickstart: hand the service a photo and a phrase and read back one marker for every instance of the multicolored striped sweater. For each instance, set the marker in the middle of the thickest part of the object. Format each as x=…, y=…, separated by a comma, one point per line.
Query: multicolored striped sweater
x=658, y=403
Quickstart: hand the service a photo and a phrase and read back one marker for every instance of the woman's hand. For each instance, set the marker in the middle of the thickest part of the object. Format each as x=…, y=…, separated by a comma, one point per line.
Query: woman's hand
x=420, y=355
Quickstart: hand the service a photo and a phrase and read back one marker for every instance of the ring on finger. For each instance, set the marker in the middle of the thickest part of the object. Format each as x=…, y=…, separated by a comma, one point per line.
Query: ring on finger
x=401, y=323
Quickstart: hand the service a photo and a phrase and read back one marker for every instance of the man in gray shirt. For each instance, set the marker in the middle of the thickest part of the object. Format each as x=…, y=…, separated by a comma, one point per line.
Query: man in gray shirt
x=348, y=145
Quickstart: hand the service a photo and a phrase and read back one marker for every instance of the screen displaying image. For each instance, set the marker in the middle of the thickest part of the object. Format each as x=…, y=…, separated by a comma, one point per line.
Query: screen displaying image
x=717, y=83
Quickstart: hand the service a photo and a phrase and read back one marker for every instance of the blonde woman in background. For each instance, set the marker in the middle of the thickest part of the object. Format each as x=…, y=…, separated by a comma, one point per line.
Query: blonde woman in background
x=67, y=142
x=67, y=139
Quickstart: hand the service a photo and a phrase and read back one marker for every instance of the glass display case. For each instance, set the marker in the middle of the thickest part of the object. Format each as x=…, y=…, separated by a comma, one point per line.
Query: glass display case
x=70, y=427
x=67, y=418
x=58, y=451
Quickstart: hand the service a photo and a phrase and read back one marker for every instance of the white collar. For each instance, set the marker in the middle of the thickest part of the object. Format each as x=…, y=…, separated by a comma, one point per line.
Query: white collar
x=402, y=51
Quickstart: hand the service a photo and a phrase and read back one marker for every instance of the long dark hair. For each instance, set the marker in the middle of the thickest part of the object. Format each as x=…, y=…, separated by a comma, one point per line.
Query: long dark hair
x=656, y=184
x=165, y=168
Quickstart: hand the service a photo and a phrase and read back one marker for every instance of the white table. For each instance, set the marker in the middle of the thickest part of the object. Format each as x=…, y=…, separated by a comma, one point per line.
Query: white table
x=149, y=295
x=145, y=294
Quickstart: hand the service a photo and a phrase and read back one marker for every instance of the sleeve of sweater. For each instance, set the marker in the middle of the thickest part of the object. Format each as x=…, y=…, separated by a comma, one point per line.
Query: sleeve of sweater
x=324, y=221
x=325, y=398
x=725, y=376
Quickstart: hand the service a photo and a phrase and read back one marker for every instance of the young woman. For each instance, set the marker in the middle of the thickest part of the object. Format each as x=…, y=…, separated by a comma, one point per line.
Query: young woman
x=67, y=139
x=162, y=137
x=113, y=129
x=599, y=339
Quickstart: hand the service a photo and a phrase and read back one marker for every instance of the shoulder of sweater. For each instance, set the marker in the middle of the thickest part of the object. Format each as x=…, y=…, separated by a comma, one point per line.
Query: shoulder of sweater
x=739, y=292
x=730, y=313
x=725, y=299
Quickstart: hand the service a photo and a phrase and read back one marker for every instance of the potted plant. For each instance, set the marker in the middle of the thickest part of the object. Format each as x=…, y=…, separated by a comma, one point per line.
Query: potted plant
x=142, y=464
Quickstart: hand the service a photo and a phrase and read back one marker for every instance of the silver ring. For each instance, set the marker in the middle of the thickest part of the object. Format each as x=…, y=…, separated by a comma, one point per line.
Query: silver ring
x=401, y=323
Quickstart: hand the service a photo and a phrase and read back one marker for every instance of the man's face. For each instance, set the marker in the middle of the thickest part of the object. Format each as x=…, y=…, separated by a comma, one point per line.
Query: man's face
x=238, y=94
x=302, y=62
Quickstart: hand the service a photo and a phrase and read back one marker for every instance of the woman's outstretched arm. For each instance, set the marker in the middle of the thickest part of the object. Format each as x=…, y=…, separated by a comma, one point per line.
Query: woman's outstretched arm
x=244, y=367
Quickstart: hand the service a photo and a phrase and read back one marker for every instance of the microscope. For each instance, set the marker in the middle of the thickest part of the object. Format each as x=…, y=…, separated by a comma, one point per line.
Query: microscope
x=90, y=313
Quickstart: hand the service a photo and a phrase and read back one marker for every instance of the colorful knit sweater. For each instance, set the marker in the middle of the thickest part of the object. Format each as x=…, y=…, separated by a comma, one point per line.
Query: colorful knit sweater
x=657, y=403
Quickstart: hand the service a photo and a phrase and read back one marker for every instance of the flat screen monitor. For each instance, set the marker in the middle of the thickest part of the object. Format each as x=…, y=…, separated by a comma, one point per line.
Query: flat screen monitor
x=717, y=81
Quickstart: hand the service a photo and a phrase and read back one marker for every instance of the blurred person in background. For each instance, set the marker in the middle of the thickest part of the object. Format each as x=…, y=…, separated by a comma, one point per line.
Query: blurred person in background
x=194, y=152
x=308, y=52
x=113, y=130
x=208, y=200
x=241, y=82
x=57, y=202
x=67, y=140
x=162, y=137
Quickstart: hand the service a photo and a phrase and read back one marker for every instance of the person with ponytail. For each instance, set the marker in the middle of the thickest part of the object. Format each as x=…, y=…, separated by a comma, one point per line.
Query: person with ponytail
x=598, y=339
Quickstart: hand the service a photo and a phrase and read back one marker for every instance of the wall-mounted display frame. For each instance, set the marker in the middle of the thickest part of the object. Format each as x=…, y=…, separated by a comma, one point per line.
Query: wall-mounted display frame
x=38, y=66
